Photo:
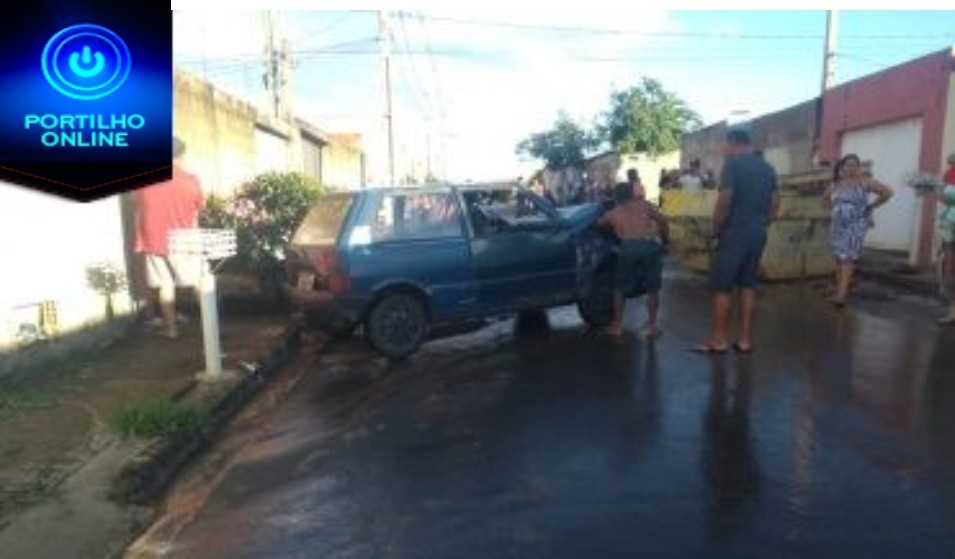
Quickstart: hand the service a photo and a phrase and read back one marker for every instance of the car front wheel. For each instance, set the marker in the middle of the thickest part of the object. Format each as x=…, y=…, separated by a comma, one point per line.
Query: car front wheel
x=397, y=325
x=595, y=304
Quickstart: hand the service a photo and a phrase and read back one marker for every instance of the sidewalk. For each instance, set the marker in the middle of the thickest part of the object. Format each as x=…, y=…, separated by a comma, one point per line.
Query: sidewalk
x=59, y=450
x=893, y=270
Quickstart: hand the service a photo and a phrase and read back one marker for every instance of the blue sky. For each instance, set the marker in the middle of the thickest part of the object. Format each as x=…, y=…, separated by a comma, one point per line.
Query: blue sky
x=476, y=82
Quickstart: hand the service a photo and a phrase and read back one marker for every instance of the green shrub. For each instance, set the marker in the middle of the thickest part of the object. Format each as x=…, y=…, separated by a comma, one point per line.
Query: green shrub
x=158, y=417
x=264, y=212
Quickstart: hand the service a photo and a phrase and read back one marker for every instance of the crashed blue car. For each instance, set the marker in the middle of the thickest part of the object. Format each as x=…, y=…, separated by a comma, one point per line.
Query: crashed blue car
x=408, y=264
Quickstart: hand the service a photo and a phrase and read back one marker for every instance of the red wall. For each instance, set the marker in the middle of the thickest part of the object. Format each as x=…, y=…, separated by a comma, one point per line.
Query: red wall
x=914, y=89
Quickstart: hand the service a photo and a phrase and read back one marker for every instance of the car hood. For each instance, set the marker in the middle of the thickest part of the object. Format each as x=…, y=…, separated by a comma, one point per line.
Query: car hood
x=582, y=215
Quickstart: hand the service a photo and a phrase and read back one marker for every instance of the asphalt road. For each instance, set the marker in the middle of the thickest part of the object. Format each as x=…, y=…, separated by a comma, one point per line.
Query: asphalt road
x=836, y=438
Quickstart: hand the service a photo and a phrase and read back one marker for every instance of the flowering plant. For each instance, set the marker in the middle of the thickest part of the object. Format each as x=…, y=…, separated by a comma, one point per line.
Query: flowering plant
x=263, y=212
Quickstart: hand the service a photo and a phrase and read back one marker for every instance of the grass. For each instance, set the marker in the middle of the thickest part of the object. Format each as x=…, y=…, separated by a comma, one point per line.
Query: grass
x=158, y=417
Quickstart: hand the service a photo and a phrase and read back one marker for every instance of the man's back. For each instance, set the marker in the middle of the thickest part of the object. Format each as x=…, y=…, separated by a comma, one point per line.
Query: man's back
x=753, y=183
x=635, y=218
x=174, y=204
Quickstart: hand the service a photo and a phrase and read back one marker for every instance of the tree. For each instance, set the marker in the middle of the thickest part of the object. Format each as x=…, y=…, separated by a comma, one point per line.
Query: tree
x=565, y=145
x=647, y=118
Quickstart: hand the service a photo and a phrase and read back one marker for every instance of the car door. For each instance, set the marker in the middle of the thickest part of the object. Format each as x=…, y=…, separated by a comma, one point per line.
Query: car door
x=416, y=238
x=522, y=253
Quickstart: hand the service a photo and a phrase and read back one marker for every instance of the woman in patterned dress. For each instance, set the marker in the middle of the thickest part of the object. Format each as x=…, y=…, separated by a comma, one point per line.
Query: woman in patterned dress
x=848, y=200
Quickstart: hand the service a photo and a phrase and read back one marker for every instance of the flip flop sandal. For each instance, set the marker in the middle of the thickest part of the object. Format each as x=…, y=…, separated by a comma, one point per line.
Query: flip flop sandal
x=743, y=350
x=707, y=349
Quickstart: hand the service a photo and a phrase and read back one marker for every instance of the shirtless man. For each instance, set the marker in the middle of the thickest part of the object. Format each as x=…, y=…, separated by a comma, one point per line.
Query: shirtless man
x=645, y=237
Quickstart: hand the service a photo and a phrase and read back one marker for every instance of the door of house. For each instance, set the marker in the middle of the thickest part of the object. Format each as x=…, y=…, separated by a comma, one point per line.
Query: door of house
x=893, y=149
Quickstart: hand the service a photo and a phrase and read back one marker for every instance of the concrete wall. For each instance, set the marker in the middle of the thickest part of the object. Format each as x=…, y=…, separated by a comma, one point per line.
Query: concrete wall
x=916, y=89
x=343, y=162
x=787, y=138
x=649, y=169
x=50, y=247
x=229, y=141
x=219, y=132
x=706, y=145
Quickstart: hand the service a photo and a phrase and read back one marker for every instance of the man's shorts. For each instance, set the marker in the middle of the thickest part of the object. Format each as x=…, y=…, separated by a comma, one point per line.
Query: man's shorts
x=736, y=266
x=172, y=271
x=639, y=267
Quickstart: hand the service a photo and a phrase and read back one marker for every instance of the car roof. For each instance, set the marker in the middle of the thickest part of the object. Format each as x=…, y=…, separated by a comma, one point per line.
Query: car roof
x=443, y=187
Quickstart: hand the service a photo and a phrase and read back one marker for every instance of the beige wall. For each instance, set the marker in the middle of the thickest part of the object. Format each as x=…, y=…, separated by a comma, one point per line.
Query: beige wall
x=219, y=132
x=342, y=166
x=649, y=169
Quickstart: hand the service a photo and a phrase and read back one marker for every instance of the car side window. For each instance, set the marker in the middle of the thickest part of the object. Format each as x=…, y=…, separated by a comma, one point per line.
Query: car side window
x=499, y=211
x=415, y=216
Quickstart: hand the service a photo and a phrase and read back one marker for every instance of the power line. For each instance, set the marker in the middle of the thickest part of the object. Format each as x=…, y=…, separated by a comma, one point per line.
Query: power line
x=325, y=29
x=669, y=34
x=416, y=77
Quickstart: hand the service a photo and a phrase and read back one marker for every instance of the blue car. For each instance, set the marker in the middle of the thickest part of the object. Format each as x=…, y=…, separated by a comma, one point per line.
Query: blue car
x=407, y=264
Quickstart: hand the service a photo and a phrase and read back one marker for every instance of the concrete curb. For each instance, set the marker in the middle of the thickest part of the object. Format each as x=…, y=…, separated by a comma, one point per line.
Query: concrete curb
x=144, y=477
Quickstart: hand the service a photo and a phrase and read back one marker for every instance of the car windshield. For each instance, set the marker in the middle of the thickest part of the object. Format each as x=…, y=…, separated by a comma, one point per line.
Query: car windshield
x=324, y=221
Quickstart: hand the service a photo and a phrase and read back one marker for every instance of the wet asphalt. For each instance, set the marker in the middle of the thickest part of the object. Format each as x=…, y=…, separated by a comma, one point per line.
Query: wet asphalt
x=836, y=438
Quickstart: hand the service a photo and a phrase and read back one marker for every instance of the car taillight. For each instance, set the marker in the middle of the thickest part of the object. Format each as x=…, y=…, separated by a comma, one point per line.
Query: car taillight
x=331, y=273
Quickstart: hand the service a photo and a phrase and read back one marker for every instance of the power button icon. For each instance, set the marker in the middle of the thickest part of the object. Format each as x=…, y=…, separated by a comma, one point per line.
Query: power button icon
x=86, y=62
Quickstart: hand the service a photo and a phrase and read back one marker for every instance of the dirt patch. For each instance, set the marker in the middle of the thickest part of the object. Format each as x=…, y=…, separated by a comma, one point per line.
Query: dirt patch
x=54, y=418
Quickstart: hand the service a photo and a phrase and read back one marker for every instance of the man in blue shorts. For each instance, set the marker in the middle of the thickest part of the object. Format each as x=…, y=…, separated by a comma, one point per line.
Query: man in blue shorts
x=747, y=203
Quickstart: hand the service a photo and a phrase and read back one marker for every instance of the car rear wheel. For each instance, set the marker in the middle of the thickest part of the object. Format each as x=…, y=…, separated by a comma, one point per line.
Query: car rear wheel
x=397, y=324
x=595, y=305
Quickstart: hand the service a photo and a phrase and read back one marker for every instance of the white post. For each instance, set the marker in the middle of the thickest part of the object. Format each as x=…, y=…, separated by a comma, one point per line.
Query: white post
x=206, y=245
x=208, y=306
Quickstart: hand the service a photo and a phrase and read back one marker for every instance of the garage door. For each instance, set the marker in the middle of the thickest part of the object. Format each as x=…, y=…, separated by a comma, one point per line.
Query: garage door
x=894, y=151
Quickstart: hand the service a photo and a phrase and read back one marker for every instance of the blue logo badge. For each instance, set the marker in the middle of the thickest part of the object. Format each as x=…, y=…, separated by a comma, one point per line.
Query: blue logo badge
x=86, y=62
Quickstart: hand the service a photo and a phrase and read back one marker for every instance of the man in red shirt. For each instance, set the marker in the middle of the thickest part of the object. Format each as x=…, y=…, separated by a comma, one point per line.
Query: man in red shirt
x=162, y=208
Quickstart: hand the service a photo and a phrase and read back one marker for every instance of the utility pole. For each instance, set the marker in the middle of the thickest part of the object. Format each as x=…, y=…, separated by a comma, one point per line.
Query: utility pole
x=828, y=61
x=277, y=65
x=384, y=38
x=828, y=78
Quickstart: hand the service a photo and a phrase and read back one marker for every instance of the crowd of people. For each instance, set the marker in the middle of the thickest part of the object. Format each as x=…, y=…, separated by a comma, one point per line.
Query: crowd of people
x=747, y=204
x=692, y=178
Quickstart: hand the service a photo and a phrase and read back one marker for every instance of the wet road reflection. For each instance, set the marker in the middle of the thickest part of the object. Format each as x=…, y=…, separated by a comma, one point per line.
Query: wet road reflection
x=835, y=439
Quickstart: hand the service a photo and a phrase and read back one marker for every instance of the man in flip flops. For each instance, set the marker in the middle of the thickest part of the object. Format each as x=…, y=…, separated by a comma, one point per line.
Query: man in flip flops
x=747, y=203
x=162, y=208
x=644, y=235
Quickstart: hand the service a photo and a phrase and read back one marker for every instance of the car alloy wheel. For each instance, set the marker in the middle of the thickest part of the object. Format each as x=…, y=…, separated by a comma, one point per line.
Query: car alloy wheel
x=397, y=324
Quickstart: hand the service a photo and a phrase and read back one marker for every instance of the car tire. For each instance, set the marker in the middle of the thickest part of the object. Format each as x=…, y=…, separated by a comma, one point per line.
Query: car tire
x=595, y=305
x=397, y=324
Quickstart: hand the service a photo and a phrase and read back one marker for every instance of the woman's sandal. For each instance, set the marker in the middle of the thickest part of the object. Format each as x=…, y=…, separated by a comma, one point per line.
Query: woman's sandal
x=742, y=350
x=708, y=349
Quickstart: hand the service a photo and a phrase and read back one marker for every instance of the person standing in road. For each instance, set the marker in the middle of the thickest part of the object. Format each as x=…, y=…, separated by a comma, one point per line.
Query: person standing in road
x=848, y=201
x=162, y=208
x=946, y=221
x=748, y=201
x=633, y=179
x=645, y=235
